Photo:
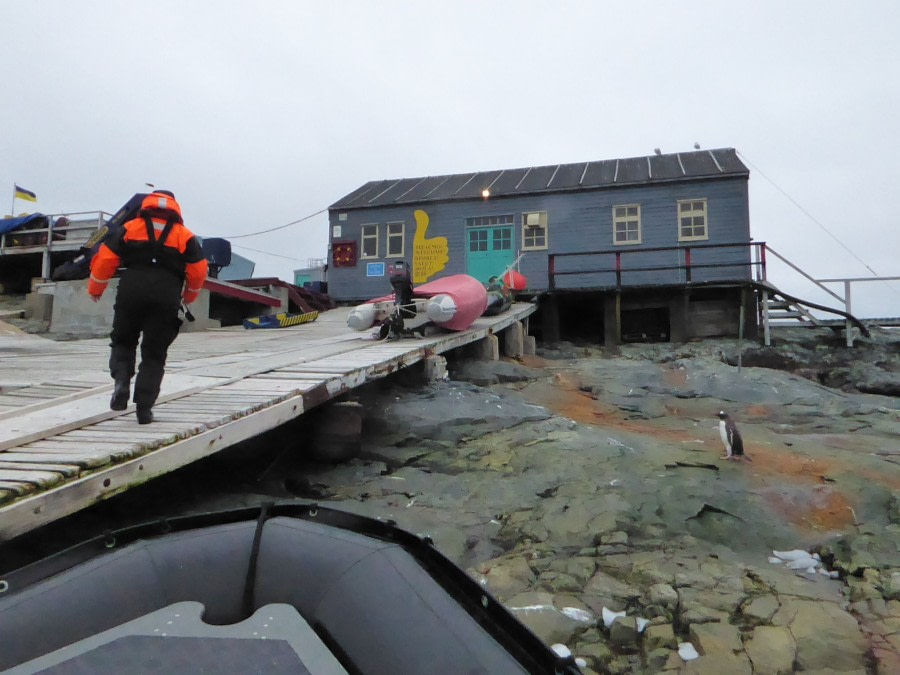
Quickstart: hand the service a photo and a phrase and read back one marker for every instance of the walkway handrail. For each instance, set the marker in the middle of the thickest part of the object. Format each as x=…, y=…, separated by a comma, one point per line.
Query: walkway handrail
x=687, y=266
x=52, y=233
x=45, y=240
x=815, y=281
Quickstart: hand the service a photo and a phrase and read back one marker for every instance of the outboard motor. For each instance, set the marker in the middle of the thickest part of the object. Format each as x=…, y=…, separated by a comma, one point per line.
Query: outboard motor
x=404, y=308
x=217, y=252
x=401, y=281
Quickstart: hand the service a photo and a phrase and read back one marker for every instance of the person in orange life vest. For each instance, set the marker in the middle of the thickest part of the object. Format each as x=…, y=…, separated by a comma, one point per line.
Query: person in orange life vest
x=164, y=265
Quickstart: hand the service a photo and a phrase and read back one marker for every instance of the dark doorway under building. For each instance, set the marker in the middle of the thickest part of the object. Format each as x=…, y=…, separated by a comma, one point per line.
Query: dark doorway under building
x=648, y=324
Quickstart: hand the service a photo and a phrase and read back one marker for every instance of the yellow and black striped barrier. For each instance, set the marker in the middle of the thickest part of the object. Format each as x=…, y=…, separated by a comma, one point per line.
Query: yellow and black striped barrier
x=282, y=320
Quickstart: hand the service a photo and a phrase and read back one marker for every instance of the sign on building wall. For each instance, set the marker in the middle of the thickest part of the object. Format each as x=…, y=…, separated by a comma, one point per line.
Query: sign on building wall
x=430, y=256
x=375, y=269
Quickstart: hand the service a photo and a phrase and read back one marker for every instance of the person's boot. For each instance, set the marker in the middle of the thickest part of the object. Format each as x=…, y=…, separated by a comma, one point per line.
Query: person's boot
x=144, y=415
x=121, y=392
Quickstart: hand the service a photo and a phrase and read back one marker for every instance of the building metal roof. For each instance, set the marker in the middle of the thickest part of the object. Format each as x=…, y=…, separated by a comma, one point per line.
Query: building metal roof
x=718, y=163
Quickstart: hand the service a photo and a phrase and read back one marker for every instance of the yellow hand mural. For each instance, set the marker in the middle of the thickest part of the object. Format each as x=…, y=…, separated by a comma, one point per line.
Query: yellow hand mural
x=430, y=256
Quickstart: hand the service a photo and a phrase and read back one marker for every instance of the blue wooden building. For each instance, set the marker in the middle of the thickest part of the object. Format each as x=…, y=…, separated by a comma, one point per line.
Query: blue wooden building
x=649, y=248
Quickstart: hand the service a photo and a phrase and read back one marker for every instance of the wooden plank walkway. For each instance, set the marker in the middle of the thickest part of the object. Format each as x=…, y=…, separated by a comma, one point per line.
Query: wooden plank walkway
x=62, y=448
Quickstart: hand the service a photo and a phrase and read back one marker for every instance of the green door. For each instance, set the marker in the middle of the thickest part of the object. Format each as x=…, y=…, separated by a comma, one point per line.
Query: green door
x=490, y=250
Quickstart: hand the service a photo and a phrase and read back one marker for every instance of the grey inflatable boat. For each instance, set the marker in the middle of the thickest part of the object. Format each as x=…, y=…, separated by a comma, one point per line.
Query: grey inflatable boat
x=286, y=588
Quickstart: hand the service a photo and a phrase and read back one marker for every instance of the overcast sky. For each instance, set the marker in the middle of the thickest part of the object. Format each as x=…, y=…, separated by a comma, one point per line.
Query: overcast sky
x=257, y=114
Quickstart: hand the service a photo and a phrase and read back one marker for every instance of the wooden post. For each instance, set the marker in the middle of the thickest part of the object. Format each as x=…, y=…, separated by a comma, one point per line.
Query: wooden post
x=618, y=317
x=679, y=323
x=550, y=319
x=848, y=331
x=612, y=321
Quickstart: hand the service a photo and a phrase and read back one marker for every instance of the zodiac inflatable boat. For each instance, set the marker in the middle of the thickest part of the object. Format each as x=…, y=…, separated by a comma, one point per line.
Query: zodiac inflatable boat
x=452, y=302
x=287, y=588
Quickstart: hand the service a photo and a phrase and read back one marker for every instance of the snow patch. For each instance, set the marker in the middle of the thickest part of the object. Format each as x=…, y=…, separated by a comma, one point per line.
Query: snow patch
x=687, y=652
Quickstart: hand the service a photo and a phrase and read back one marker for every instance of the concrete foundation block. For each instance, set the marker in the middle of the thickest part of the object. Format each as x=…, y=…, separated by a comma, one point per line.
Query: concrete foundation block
x=513, y=340
x=200, y=309
x=435, y=368
x=38, y=306
x=337, y=435
x=529, y=345
x=74, y=312
x=487, y=349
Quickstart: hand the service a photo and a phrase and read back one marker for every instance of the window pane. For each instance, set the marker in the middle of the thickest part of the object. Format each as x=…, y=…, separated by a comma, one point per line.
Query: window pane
x=632, y=211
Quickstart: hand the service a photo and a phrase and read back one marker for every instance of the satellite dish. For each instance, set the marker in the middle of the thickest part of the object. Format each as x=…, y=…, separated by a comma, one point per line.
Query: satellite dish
x=657, y=151
x=696, y=146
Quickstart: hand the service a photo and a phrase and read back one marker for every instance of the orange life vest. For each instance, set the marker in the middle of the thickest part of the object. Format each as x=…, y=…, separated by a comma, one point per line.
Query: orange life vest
x=156, y=238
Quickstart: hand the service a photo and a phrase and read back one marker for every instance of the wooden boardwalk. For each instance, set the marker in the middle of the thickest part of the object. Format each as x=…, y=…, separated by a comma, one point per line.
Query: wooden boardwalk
x=62, y=448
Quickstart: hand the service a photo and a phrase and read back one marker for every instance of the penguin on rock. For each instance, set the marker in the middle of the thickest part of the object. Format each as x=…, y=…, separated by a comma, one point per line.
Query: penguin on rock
x=731, y=437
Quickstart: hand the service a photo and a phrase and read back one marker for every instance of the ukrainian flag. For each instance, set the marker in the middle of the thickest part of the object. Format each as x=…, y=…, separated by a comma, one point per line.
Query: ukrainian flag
x=22, y=193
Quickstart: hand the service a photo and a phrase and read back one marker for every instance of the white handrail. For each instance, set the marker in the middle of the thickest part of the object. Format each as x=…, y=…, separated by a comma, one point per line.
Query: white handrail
x=797, y=269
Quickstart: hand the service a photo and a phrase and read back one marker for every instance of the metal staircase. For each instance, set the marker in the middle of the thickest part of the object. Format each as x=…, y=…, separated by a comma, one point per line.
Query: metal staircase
x=776, y=305
x=777, y=308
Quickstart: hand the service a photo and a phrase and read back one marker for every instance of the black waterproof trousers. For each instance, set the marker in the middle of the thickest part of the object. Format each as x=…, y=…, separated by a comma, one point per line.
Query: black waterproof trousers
x=146, y=307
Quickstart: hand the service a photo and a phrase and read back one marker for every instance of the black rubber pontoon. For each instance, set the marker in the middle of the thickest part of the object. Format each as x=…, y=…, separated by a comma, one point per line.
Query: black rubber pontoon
x=288, y=588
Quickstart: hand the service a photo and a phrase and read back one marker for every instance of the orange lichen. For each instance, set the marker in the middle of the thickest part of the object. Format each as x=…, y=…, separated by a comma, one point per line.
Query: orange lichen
x=758, y=411
x=816, y=508
x=793, y=484
x=674, y=377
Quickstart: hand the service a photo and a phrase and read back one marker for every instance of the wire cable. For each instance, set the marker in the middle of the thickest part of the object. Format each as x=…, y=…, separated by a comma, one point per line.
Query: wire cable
x=793, y=201
x=256, y=250
x=280, y=227
x=808, y=214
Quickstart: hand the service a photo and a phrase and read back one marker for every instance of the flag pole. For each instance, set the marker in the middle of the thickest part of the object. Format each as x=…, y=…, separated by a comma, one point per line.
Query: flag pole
x=12, y=206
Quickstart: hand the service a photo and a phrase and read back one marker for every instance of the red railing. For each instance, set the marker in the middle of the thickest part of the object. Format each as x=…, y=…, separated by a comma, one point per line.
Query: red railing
x=687, y=266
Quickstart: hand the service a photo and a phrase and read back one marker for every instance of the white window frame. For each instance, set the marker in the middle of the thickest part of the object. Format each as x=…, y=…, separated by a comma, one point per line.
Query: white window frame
x=364, y=236
x=626, y=219
x=393, y=236
x=693, y=213
x=528, y=223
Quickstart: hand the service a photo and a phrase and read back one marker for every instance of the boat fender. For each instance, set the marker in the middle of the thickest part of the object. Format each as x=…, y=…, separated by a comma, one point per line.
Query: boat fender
x=361, y=317
x=441, y=308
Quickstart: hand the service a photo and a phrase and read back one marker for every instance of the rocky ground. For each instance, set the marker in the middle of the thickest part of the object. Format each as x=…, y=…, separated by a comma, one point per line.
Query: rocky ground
x=587, y=492
x=582, y=487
